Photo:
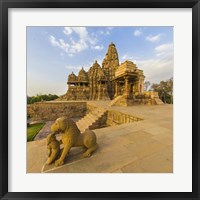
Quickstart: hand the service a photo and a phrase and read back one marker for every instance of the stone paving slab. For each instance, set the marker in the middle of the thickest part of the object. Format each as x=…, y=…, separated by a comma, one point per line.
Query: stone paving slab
x=139, y=147
x=44, y=131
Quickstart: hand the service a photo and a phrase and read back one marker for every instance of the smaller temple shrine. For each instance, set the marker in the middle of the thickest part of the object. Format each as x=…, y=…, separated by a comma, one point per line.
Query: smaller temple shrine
x=129, y=79
x=122, y=83
x=78, y=86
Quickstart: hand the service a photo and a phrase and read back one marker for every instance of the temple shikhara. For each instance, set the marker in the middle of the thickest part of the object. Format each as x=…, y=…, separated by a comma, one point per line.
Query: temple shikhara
x=122, y=83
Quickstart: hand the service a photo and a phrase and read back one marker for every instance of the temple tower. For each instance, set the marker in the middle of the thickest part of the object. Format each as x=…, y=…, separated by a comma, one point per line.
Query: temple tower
x=110, y=65
x=97, y=83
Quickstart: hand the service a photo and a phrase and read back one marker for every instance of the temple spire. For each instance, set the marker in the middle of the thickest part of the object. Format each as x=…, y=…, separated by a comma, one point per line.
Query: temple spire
x=111, y=59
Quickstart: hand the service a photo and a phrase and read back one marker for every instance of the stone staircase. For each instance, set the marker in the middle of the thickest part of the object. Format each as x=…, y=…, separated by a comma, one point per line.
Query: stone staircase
x=158, y=101
x=115, y=100
x=92, y=120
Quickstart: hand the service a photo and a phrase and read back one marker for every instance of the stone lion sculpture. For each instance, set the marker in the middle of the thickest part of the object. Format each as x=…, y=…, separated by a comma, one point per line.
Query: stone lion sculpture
x=53, y=148
x=71, y=137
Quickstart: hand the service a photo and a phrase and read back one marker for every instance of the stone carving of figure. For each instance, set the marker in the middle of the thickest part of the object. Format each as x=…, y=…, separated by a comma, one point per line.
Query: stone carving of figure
x=53, y=148
x=71, y=137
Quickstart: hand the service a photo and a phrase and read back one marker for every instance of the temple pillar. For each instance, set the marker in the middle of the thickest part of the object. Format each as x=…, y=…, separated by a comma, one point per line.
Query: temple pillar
x=127, y=87
x=138, y=87
x=116, y=88
x=142, y=87
x=142, y=82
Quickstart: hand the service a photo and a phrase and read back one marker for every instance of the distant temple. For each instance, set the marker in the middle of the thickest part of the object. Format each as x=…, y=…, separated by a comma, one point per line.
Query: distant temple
x=106, y=82
x=113, y=81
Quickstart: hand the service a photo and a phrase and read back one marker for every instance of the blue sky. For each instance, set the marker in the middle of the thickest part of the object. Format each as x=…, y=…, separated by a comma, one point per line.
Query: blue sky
x=54, y=52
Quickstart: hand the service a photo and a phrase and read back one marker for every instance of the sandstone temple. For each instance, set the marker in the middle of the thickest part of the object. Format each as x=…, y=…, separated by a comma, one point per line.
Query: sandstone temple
x=122, y=83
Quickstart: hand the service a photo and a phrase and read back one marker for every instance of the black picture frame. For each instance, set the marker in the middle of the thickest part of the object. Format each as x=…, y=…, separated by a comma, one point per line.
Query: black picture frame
x=6, y=4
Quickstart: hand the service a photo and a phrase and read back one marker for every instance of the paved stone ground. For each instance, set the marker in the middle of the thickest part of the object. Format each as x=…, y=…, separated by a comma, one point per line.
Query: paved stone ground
x=141, y=147
x=46, y=129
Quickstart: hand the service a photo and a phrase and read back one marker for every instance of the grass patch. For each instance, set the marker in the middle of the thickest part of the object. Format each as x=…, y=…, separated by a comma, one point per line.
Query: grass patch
x=33, y=130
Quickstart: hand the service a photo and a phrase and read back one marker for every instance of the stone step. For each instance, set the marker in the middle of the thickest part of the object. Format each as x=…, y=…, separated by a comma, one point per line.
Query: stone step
x=88, y=120
x=159, y=101
x=96, y=113
x=87, y=123
x=83, y=124
x=91, y=120
x=91, y=117
x=115, y=100
x=82, y=128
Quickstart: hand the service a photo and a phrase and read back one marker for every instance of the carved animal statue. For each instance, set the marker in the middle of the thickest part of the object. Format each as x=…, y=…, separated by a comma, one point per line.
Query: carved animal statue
x=53, y=148
x=71, y=137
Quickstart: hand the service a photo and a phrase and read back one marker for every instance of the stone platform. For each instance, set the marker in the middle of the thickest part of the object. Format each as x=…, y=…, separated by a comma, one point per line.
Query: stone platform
x=145, y=146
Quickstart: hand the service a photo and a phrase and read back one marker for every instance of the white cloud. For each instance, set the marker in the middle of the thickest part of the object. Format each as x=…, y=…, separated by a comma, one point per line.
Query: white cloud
x=98, y=47
x=59, y=43
x=137, y=32
x=160, y=67
x=164, y=49
x=53, y=40
x=82, y=33
x=73, y=45
x=154, y=38
x=156, y=70
x=78, y=46
x=67, y=30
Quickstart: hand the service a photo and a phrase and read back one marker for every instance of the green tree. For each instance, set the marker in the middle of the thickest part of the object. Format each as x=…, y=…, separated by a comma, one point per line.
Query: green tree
x=41, y=97
x=165, y=90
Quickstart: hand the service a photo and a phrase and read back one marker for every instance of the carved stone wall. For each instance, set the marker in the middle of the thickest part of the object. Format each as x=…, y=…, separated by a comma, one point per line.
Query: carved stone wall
x=97, y=83
x=52, y=110
x=115, y=118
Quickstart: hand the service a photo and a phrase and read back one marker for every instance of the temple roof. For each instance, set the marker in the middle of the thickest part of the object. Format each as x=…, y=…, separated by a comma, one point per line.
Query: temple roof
x=128, y=68
x=82, y=76
x=112, y=44
x=96, y=65
x=72, y=77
